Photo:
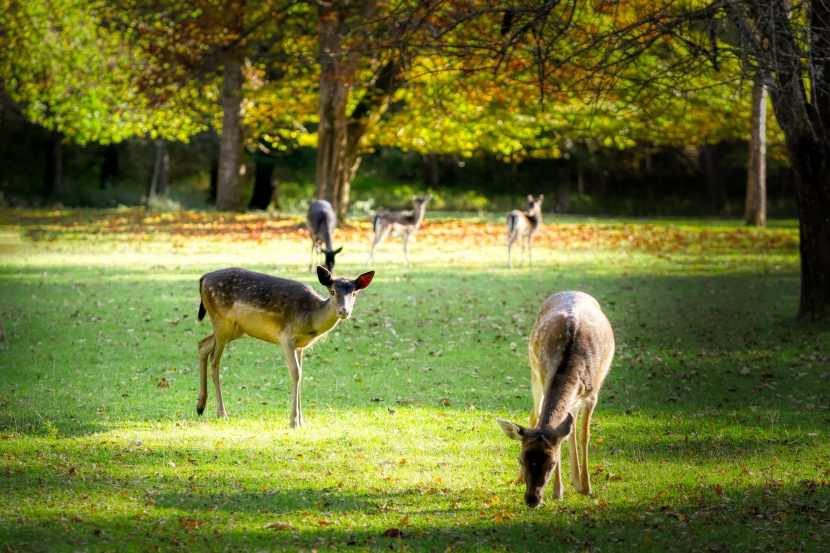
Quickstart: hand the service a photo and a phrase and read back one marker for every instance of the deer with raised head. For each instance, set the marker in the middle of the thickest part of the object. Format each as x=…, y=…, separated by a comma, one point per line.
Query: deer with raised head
x=321, y=222
x=398, y=224
x=571, y=348
x=276, y=310
x=522, y=225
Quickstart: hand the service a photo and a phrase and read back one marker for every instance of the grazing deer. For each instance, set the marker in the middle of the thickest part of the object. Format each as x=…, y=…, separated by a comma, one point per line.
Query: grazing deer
x=276, y=310
x=321, y=222
x=399, y=225
x=571, y=347
x=522, y=225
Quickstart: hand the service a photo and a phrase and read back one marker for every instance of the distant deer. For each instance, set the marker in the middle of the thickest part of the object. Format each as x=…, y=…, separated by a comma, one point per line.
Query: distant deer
x=522, y=225
x=399, y=225
x=276, y=310
x=571, y=347
x=321, y=222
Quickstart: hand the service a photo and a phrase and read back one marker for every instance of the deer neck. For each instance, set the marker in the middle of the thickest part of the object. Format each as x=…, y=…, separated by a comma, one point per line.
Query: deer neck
x=559, y=399
x=325, y=317
x=418, y=215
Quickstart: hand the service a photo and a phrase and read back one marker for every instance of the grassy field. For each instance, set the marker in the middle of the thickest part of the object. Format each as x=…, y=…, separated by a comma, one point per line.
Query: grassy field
x=711, y=432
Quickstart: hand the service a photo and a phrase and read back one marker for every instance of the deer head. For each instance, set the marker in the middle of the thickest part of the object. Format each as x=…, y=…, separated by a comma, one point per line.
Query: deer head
x=343, y=290
x=539, y=457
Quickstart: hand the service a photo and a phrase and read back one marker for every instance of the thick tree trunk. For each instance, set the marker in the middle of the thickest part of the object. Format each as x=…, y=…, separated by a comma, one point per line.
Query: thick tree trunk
x=430, y=170
x=812, y=183
x=109, y=167
x=53, y=165
x=229, y=183
x=161, y=172
x=756, y=175
x=263, y=184
x=715, y=193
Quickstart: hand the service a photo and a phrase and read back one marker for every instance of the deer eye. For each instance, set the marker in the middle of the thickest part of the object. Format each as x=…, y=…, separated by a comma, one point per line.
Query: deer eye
x=331, y=292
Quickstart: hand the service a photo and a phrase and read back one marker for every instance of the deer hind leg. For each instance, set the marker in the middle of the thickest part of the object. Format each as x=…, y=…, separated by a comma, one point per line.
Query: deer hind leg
x=380, y=236
x=221, y=338
x=530, y=250
x=314, y=249
x=511, y=238
x=584, y=439
x=573, y=452
x=406, y=250
x=206, y=346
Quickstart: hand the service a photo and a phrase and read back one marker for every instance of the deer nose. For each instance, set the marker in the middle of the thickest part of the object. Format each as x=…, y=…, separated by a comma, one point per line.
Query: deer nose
x=532, y=500
x=344, y=312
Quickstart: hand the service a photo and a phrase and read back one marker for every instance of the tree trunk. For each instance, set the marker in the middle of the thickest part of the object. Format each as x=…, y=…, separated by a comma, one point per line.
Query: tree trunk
x=229, y=182
x=756, y=175
x=812, y=184
x=53, y=162
x=161, y=172
x=263, y=184
x=339, y=137
x=109, y=167
x=715, y=193
x=430, y=171
x=563, y=195
x=214, y=180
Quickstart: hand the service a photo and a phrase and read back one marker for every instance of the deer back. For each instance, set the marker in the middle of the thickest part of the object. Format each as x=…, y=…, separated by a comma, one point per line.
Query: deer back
x=571, y=348
x=321, y=222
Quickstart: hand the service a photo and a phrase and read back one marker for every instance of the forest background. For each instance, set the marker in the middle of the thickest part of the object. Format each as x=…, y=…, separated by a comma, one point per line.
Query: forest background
x=636, y=109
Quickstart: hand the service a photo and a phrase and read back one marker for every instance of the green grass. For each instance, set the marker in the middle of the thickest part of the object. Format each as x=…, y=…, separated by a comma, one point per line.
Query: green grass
x=711, y=432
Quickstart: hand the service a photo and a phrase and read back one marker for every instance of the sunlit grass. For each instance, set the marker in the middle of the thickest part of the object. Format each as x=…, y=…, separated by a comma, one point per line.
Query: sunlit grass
x=711, y=431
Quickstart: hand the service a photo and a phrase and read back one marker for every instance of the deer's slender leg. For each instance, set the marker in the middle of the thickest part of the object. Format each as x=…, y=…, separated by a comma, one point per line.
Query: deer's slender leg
x=558, y=488
x=406, y=250
x=530, y=250
x=573, y=452
x=585, y=438
x=206, y=346
x=538, y=388
x=313, y=249
x=295, y=368
x=380, y=236
x=511, y=238
x=218, y=348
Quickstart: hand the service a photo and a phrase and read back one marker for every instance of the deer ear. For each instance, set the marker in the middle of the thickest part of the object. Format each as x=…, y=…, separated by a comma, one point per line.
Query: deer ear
x=529, y=198
x=566, y=426
x=338, y=250
x=324, y=276
x=364, y=280
x=513, y=431
x=541, y=197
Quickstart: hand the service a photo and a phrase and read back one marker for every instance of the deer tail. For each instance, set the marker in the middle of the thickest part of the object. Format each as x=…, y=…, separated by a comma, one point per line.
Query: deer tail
x=511, y=223
x=202, y=310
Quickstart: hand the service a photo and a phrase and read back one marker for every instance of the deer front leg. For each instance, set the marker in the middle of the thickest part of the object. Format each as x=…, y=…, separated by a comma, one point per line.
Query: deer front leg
x=530, y=250
x=558, y=488
x=206, y=346
x=294, y=358
x=574, y=455
x=406, y=250
x=313, y=248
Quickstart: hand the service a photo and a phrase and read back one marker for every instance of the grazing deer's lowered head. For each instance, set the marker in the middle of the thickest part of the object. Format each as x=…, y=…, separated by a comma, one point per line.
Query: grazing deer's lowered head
x=571, y=348
x=276, y=310
x=398, y=224
x=522, y=226
x=321, y=222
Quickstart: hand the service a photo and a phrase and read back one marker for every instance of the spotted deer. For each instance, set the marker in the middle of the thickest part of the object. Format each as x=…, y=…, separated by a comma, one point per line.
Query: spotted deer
x=571, y=348
x=276, y=310
x=321, y=222
x=398, y=224
x=522, y=226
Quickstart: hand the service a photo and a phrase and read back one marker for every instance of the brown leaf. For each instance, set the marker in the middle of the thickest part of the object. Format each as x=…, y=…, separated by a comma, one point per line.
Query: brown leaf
x=393, y=533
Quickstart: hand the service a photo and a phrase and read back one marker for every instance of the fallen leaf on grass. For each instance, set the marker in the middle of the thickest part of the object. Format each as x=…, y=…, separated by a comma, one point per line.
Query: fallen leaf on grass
x=393, y=533
x=278, y=525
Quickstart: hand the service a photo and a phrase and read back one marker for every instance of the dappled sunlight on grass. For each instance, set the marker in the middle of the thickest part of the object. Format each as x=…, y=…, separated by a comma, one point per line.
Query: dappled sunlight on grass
x=711, y=428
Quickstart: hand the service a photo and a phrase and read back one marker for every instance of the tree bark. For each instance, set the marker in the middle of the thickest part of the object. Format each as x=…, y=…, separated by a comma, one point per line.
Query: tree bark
x=756, y=175
x=53, y=165
x=715, y=193
x=263, y=184
x=109, y=167
x=161, y=172
x=229, y=181
x=340, y=136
